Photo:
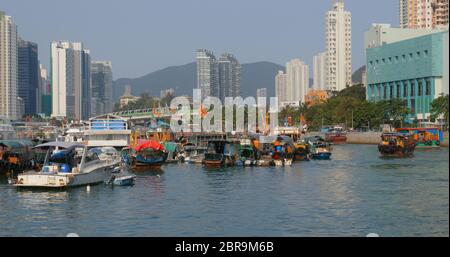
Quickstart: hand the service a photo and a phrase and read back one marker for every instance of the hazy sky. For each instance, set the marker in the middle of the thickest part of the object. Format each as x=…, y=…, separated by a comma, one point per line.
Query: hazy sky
x=140, y=36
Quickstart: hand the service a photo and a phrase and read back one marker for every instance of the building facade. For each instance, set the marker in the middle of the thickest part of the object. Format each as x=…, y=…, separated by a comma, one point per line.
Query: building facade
x=71, y=80
x=338, y=47
x=319, y=71
x=280, y=86
x=415, y=70
x=297, y=81
x=229, y=76
x=8, y=67
x=207, y=73
x=424, y=14
x=28, y=75
x=101, y=87
x=44, y=93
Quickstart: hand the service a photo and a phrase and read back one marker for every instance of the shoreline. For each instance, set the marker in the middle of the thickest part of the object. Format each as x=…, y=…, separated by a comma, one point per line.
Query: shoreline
x=368, y=138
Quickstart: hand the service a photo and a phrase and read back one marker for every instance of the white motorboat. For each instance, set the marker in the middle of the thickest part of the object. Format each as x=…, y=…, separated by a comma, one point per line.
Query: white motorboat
x=69, y=164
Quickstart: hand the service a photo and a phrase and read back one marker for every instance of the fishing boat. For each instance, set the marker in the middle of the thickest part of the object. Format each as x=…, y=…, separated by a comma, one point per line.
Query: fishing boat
x=193, y=154
x=221, y=153
x=283, y=153
x=147, y=154
x=16, y=155
x=336, y=135
x=248, y=152
x=396, y=145
x=319, y=148
x=265, y=148
x=424, y=137
x=68, y=165
x=301, y=151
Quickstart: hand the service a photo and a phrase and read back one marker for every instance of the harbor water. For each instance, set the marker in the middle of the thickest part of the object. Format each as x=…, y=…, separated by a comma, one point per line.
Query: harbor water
x=354, y=194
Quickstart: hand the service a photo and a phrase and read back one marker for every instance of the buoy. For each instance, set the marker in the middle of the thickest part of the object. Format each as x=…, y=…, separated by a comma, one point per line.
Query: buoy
x=88, y=188
x=72, y=235
x=372, y=235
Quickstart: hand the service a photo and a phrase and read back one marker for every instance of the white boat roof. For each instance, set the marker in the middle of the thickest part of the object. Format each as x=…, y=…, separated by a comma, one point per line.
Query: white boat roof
x=61, y=144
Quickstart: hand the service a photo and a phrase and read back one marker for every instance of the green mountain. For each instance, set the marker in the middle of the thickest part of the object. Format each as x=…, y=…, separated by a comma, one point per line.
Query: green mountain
x=183, y=79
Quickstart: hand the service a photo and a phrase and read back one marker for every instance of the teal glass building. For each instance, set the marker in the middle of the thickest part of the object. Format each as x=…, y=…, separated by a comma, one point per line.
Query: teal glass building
x=415, y=70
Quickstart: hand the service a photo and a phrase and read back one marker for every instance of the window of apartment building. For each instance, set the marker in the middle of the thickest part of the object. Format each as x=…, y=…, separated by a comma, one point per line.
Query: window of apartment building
x=412, y=88
x=428, y=87
x=419, y=88
x=396, y=58
x=418, y=54
x=410, y=56
x=390, y=60
x=404, y=57
x=425, y=52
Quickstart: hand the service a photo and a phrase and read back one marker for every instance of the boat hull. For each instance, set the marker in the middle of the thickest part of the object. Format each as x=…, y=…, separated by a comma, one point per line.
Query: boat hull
x=321, y=156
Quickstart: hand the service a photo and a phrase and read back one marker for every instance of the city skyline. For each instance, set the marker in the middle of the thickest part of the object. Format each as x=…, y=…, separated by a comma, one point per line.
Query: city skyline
x=140, y=59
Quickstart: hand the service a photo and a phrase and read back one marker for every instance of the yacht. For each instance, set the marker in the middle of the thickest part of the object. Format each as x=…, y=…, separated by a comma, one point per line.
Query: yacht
x=69, y=164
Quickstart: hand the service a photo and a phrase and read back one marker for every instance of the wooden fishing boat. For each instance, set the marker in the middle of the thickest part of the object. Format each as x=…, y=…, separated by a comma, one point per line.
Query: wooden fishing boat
x=283, y=153
x=301, y=151
x=16, y=155
x=319, y=148
x=396, y=145
x=248, y=153
x=147, y=154
x=221, y=153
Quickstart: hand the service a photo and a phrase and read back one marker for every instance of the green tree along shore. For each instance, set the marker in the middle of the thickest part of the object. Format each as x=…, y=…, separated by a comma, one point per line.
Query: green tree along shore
x=351, y=109
x=348, y=107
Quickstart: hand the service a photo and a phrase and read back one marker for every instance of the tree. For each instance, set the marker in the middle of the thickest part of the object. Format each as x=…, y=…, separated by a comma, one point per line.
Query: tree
x=439, y=107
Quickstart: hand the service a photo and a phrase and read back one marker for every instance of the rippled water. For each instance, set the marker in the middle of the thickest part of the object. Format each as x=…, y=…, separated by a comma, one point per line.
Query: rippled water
x=354, y=194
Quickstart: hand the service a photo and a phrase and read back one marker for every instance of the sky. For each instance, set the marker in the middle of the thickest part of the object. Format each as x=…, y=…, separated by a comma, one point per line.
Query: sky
x=141, y=36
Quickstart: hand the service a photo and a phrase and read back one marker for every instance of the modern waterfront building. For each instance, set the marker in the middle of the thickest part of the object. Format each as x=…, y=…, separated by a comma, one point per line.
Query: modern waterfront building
x=101, y=87
x=415, y=70
x=8, y=67
x=381, y=34
x=319, y=71
x=423, y=14
x=207, y=73
x=70, y=80
x=297, y=81
x=338, y=47
x=28, y=75
x=229, y=76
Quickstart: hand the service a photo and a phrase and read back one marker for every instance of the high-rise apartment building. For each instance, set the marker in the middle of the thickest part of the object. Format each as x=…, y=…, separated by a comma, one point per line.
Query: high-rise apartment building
x=8, y=67
x=28, y=75
x=297, y=81
x=101, y=88
x=338, y=37
x=229, y=76
x=207, y=73
x=319, y=71
x=44, y=92
x=280, y=86
x=424, y=14
x=71, y=80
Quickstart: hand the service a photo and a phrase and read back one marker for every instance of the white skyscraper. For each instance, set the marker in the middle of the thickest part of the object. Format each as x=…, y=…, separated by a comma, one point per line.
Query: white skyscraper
x=338, y=37
x=319, y=71
x=207, y=73
x=8, y=67
x=297, y=81
x=424, y=14
x=70, y=80
x=280, y=86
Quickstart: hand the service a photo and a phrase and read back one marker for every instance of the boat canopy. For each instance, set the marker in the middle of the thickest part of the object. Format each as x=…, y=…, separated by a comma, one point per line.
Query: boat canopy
x=149, y=144
x=60, y=144
x=12, y=144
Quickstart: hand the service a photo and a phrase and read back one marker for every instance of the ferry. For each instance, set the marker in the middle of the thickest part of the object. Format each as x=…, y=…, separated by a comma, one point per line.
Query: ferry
x=424, y=137
x=68, y=165
x=396, y=145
